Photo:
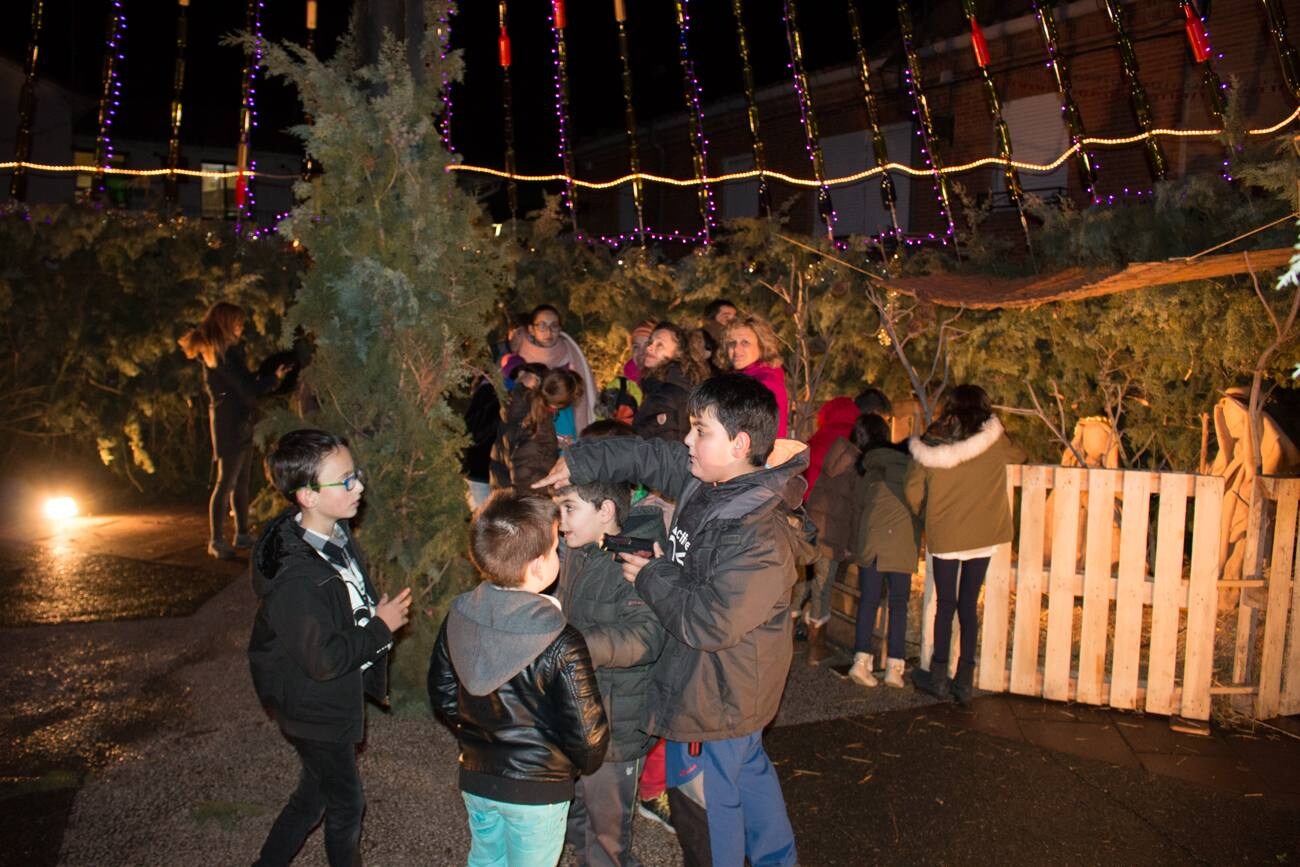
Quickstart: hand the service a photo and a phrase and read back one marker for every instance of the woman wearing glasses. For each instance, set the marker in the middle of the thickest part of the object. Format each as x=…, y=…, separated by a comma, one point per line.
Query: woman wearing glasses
x=232, y=401
x=545, y=342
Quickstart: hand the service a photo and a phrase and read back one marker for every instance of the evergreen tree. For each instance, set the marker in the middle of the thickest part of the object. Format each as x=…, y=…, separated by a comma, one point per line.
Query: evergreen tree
x=403, y=279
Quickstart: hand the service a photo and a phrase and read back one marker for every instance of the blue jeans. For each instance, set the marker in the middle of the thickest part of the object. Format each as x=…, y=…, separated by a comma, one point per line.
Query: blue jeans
x=742, y=801
x=957, y=585
x=514, y=835
x=900, y=589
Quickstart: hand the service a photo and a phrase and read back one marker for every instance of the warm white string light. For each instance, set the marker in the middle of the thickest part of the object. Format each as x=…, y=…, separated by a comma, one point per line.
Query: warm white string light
x=1041, y=168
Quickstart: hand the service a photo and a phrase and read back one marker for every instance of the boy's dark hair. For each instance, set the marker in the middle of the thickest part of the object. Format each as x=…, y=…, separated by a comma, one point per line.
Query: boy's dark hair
x=874, y=400
x=296, y=459
x=620, y=494
x=606, y=427
x=740, y=403
x=717, y=304
x=511, y=530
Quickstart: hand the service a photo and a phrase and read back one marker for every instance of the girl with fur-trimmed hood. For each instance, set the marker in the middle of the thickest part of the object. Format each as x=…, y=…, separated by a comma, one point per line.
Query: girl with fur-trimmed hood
x=958, y=485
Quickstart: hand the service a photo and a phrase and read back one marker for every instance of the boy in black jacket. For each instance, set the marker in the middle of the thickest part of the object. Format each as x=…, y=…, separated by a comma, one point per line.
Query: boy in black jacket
x=515, y=682
x=722, y=592
x=320, y=640
x=624, y=638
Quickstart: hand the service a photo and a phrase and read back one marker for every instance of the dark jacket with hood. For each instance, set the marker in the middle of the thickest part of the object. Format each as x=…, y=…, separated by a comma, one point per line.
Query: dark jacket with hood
x=722, y=589
x=622, y=633
x=232, y=396
x=516, y=684
x=306, y=650
x=662, y=413
x=521, y=456
x=830, y=503
x=835, y=421
x=884, y=529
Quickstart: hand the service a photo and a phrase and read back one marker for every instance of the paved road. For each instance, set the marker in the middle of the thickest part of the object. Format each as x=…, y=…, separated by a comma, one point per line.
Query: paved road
x=138, y=741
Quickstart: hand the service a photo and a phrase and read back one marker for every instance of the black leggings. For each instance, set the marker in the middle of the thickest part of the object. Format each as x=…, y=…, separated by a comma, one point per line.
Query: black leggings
x=957, y=584
x=230, y=492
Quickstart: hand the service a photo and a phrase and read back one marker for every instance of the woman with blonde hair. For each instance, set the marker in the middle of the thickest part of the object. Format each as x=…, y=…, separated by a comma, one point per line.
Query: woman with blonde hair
x=751, y=348
x=232, y=400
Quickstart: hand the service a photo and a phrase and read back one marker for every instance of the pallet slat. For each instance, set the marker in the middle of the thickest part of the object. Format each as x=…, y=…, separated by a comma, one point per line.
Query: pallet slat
x=1162, y=649
x=997, y=602
x=1029, y=581
x=1202, y=599
x=1060, y=600
x=1096, y=585
x=1268, y=702
x=1130, y=591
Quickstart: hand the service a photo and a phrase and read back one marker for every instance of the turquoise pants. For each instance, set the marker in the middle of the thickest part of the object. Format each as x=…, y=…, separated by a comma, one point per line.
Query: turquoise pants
x=514, y=835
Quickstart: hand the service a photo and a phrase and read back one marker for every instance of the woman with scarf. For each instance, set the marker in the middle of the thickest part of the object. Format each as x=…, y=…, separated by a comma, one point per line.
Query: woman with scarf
x=544, y=342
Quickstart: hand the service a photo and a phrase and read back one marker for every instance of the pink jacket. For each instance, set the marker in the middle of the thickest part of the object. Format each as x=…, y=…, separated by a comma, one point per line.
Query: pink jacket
x=774, y=379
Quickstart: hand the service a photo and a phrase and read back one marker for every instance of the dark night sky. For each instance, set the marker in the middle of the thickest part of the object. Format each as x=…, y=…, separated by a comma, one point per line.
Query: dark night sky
x=73, y=39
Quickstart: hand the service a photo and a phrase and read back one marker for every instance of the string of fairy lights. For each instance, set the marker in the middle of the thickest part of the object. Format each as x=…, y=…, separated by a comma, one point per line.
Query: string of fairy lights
x=747, y=175
x=934, y=166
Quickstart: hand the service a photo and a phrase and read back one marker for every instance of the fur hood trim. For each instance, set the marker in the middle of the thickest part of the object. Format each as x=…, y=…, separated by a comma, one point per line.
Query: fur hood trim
x=945, y=456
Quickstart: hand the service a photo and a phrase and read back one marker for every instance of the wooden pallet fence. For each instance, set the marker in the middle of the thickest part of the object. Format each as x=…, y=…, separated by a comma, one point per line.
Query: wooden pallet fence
x=1274, y=594
x=1123, y=616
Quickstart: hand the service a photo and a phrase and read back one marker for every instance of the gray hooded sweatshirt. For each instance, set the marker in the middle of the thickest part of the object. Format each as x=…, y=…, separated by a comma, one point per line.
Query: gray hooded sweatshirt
x=492, y=634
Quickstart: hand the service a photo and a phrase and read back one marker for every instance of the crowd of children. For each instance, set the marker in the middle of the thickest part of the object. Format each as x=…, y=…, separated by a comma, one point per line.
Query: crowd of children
x=643, y=578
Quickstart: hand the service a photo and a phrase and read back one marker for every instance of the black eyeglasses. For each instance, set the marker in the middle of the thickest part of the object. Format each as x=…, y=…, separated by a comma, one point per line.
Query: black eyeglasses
x=347, y=483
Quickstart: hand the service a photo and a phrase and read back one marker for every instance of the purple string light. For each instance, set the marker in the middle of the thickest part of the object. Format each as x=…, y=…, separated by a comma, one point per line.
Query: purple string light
x=110, y=98
x=812, y=142
x=560, y=54
x=245, y=199
x=695, y=118
x=444, y=48
x=924, y=123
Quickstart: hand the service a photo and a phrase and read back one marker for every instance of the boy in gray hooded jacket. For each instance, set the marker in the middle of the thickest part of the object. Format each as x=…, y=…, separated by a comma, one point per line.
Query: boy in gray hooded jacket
x=516, y=684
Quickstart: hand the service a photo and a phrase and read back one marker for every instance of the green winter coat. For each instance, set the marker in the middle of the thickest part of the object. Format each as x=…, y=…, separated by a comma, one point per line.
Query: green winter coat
x=622, y=633
x=884, y=529
x=960, y=489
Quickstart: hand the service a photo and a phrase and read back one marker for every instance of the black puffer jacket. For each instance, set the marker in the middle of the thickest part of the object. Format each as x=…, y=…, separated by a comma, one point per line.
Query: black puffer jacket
x=306, y=650
x=662, y=413
x=622, y=633
x=722, y=589
x=232, y=401
x=516, y=684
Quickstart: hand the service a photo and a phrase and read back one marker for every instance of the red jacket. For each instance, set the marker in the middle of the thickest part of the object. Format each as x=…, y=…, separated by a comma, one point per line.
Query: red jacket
x=834, y=420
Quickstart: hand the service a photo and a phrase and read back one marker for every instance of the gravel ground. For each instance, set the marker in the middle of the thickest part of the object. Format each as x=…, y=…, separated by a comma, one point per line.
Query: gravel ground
x=203, y=783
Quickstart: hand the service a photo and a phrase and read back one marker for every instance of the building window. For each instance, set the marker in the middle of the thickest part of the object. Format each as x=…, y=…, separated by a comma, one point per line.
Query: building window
x=739, y=198
x=218, y=194
x=1038, y=135
x=115, y=186
x=859, y=210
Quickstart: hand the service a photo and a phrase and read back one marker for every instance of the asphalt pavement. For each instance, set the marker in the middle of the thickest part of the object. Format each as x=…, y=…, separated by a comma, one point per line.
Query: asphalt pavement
x=135, y=738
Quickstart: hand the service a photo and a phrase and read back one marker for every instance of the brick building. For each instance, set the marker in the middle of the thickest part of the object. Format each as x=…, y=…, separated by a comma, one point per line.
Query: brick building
x=1031, y=106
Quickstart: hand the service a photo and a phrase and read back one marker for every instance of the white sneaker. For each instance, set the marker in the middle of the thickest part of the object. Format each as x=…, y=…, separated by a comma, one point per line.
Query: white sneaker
x=860, y=673
x=894, y=672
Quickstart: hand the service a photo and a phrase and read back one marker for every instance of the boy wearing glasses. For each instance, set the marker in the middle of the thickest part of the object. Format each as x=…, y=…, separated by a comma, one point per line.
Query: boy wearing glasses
x=320, y=640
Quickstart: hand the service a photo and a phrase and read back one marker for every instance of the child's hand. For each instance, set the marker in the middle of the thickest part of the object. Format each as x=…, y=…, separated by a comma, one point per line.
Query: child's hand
x=632, y=563
x=558, y=476
x=395, y=612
